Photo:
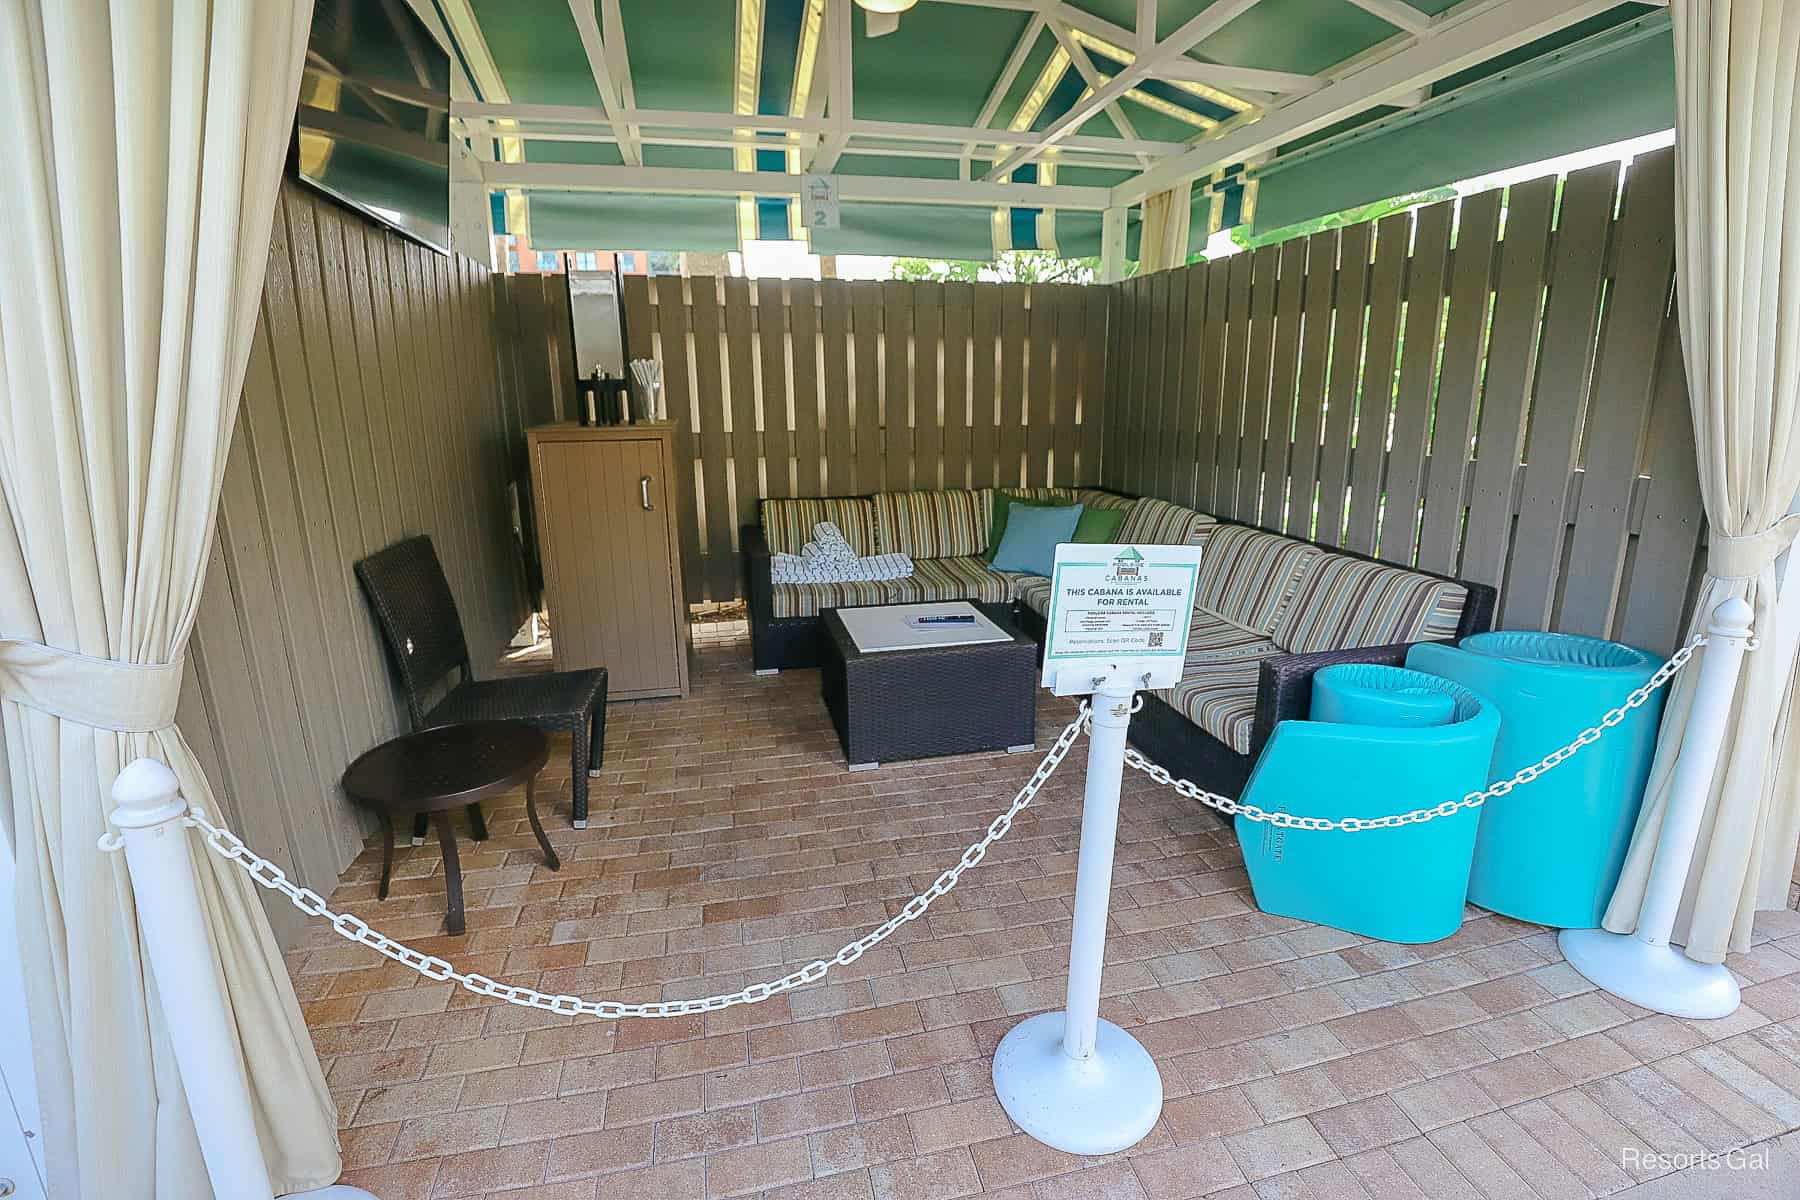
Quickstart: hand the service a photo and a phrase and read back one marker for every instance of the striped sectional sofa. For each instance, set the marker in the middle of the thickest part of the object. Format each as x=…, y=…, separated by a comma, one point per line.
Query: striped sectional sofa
x=1269, y=609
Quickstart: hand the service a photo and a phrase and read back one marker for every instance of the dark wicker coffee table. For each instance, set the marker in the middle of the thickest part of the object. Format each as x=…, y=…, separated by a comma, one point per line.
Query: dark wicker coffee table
x=892, y=705
x=448, y=767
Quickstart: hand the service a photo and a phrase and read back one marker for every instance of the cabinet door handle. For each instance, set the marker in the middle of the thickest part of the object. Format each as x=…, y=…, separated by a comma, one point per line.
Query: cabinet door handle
x=644, y=493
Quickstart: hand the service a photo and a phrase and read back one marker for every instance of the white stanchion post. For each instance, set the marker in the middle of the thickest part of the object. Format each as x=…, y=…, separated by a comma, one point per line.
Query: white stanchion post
x=1643, y=967
x=1069, y=1079
x=148, y=813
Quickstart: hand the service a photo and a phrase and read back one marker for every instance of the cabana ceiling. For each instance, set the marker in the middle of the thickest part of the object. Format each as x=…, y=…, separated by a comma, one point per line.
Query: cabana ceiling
x=980, y=125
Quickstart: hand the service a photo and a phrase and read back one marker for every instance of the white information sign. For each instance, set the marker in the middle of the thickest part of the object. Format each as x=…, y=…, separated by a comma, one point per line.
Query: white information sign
x=819, y=201
x=1119, y=606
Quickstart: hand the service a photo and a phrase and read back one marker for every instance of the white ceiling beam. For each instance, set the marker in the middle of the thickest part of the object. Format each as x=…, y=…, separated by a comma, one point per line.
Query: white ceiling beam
x=1009, y=74
x=1196, y=30
x=681, y=181
x=1084, y=66
x=1186, y=70
x=840, y=108
x=1146, y=26
x=1397, y=13
x=1472, y=32
x=862, y=144
x=595, y=48
x=649, y=120
x=618, y=59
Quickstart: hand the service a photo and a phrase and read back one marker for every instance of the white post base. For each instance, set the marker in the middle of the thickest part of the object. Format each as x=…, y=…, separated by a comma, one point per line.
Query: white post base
x=1660, y=978
x=337, y=1191
x=1094, y=1105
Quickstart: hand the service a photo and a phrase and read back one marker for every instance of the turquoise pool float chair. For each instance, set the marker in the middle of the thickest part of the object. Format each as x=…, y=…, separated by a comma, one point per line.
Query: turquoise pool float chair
x=1381, y=740
x=1550, y=852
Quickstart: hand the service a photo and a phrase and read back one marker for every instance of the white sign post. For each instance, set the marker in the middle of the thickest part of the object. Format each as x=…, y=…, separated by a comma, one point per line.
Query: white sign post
x=1118, y=622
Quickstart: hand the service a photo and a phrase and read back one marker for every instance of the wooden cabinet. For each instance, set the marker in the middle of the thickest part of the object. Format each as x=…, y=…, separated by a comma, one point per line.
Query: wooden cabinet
x=606, y=498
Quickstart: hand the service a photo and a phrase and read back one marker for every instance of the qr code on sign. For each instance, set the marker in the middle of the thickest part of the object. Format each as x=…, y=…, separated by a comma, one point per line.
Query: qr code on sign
x=1156, y=640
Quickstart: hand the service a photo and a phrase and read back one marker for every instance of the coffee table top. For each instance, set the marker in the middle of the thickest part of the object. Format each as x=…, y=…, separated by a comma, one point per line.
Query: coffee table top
x=447, y=766
x=1005, y=631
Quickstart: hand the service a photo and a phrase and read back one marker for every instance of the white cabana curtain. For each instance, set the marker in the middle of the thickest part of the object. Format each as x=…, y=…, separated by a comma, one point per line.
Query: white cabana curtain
x=140, y=185
x=1737, y=243
x=1164, y=240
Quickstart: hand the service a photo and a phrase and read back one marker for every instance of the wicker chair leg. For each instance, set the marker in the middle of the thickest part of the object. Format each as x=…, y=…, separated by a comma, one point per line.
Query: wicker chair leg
x=578, y=776
x=421, y=823
x=596, y=740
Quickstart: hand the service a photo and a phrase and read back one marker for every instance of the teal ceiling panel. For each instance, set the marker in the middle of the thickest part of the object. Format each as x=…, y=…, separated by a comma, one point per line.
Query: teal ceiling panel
x=933, y=231
x=938, y=67
x=537, y=51
x=623, y=221
x=1618, y=85
x=681, y=58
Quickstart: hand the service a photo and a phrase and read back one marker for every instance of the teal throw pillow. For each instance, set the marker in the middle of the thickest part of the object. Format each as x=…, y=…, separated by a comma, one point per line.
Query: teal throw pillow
x=1033, y=533
x=1003, y=503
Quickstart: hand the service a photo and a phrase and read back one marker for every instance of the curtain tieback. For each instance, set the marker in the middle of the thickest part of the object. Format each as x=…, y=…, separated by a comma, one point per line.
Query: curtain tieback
x=98, y=692
x=1745, y=556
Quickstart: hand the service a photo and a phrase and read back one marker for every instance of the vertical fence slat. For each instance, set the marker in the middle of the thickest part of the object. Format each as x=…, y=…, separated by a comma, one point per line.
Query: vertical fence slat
x=840, y=403
x=1212, y=383
x=865, y=310
x=1012, y=384
x=1459, y=381
x=1264, y=287
x=1309, y=399
x=1071, y=314
x=1417, y=384
x=1570, y=330
x=928, y=420
x=1040, y=384
x=1171, y=329
x=1511, y=368
x=715, y=441
x=1278, y=458
x=1375, y=396
x=984, y=389
x=896, y=393
x=1118, y=366
x=1624, y=378
x=745, y=451
x=803, y=349
x=1095, y=380
x=771, y=337
x=1349, y=318
x=1231, y=403
x=1187, y=400
x=1663, y=565
x=957, y=300
x=672, y=337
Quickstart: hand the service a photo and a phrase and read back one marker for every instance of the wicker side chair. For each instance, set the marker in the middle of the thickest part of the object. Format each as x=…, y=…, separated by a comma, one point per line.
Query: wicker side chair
x=406, y=587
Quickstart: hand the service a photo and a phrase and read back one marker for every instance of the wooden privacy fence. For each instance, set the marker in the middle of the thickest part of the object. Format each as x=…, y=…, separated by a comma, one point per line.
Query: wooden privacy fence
x=839, y=388
x=1492, y=389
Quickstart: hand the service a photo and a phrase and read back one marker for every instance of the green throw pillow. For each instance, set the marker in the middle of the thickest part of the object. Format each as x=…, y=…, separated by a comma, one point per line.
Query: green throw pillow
x=1099, y=524
x=1003, y=502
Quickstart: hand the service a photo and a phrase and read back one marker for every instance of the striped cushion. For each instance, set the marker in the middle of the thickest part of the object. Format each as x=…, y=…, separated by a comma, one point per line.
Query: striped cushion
x=1033, y=591
x=1154, y=522
x=788, y=524
x=1053, y=495
x=946, y=524
x=966, y=578
x=1211, y=640
x=1220, y=697
x=1342, y=603
x=1095, y=498
x=1247, y=576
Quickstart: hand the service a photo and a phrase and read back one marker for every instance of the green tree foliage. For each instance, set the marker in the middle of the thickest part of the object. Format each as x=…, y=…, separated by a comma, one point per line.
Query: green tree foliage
x=1014, y=266
x=1350, y=216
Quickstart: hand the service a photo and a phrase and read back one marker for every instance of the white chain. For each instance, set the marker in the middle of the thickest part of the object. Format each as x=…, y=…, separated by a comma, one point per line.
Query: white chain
x=1449, y=808
x=231, y=848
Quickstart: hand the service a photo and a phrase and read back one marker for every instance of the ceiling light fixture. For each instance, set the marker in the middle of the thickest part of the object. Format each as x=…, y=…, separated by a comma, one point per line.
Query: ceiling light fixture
x=885, y=6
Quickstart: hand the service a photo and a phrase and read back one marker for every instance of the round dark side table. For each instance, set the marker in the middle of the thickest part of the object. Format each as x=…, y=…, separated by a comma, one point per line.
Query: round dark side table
x=448, y=767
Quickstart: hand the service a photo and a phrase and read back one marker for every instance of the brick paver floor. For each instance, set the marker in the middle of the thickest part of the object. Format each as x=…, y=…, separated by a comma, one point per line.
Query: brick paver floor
x=729, y=845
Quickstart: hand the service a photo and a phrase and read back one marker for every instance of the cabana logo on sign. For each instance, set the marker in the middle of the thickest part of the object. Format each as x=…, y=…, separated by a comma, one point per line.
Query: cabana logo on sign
x=1132, y=606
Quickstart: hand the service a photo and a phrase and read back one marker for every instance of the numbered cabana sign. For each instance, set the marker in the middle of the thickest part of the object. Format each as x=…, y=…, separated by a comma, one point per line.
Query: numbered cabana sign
x=1118, y=607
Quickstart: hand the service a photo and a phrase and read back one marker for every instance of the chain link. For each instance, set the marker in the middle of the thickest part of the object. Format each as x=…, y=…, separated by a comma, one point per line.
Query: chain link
x=1226, y=806
x=231, y=848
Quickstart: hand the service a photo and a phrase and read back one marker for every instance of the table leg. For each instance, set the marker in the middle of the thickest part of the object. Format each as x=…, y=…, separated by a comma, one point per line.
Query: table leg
x=452, y=871
x=550, y=858
x=387, y=852
x=477, y=824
